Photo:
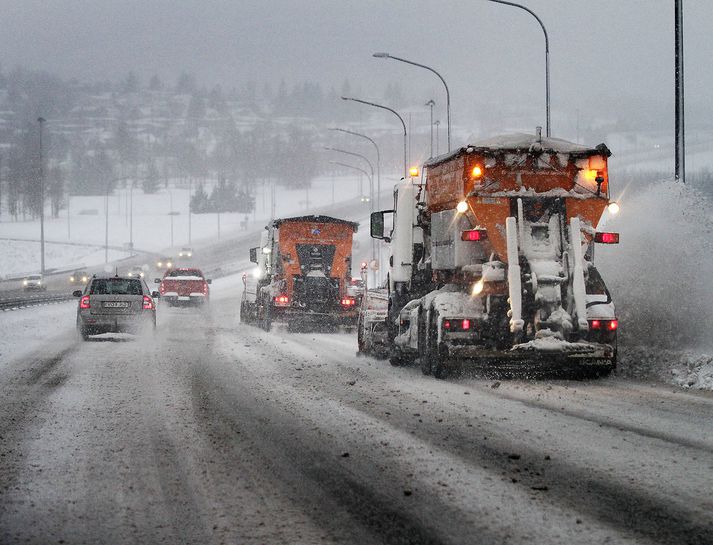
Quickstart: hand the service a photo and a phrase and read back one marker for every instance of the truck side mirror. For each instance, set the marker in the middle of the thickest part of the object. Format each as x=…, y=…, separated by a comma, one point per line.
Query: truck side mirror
x=377, y=225
x=77, y=293
x=208, y=281
x=253, y=255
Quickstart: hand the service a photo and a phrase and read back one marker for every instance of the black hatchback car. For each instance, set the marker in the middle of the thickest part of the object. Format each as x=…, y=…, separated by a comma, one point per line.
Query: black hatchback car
x=116, y=304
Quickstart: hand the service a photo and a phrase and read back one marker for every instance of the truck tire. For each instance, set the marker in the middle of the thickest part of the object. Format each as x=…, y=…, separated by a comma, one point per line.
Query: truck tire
x=267, y=318
x=396, y=357
x=424, y=361
x=438, y=361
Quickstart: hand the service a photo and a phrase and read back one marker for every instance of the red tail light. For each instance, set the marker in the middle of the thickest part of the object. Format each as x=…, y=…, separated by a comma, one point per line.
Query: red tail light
x=607, y=325
x=348, y=302
x=84, y=302
x=282, y=300
x=455, y=325
x=205, y=287
x=148, y=303
x=606, y=238
x=474, y=235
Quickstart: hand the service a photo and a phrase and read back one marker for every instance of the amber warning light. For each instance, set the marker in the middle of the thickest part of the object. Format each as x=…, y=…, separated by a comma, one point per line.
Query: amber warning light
x=606, y=238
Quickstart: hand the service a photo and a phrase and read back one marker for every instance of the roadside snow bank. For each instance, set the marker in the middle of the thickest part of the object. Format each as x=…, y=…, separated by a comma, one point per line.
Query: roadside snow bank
x=687, y=369
x=660, y=279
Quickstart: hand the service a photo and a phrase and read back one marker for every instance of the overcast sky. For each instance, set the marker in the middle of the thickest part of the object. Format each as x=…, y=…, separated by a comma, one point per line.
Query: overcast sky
x=603, y=52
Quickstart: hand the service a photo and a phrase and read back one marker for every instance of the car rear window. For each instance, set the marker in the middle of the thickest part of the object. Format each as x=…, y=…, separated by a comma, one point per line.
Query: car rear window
x=184, y=272
x=116, y=286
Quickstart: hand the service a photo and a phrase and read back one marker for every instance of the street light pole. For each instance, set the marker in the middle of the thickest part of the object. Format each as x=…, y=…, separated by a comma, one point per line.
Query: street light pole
x=371, y=167
x=437, y=123
x=190, y=193
x=131, y=216
x=680, y=137
x=448, y=93
x=547, y=58
x=371, y=184
x=41, y=121
x=378, y=162
x=106, y=223
x=170, y=200
x=403, y=124
x=431, y=103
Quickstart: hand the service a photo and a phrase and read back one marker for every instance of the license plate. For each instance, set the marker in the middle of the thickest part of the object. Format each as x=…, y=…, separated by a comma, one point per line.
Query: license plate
x=115, y=304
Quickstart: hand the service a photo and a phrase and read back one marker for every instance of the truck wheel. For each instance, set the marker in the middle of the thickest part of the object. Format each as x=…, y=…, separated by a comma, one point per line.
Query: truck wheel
x=267, y=319
x=440, y=367
x=425, y=362
x=395, y=357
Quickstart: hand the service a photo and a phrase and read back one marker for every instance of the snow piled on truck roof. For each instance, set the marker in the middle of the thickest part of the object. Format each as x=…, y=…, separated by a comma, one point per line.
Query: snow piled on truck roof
x=522, y=142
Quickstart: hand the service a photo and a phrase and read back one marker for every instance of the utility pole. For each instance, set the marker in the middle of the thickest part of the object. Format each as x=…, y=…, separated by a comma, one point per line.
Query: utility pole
x=431, y=103
x=41, y=121
x=680, y=162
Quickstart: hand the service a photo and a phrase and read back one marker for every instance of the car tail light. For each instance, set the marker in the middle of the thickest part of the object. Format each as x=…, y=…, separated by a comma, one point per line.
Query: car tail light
x=604, y=325
x=205, y=287
x=348, y=302
x=84, y=302
x=474, y=235
x=458, y=325
x=282, y=300
x=148, y=303
x=606, y=238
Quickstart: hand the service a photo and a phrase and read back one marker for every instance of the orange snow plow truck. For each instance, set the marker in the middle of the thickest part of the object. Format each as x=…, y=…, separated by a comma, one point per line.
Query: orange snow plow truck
x=303, y=270
x=492, y=259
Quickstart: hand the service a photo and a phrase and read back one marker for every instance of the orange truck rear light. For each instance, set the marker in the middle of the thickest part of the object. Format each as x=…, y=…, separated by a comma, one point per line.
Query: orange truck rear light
x=606, y=238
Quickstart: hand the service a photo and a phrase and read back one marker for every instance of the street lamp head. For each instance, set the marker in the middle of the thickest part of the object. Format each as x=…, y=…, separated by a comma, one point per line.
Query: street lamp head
x=430, y=103
x=381, y=55
x=41, y=120
x=346, y=98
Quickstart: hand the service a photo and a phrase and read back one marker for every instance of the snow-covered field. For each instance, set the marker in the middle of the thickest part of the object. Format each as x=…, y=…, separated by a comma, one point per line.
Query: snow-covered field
x=153, y=228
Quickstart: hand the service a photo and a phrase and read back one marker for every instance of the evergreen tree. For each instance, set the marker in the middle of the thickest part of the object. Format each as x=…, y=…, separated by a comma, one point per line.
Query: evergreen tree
x=199, y=201
x=150, y=183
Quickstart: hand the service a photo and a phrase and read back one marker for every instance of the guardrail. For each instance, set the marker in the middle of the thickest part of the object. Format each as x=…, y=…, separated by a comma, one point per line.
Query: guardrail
x=15, y=303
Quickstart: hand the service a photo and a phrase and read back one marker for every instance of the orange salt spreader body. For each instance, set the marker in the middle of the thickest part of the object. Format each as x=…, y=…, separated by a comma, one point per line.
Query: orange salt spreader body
x=490, y=176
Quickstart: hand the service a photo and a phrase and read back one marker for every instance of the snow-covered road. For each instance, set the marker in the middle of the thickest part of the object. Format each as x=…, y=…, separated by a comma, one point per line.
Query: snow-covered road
x=216, y=432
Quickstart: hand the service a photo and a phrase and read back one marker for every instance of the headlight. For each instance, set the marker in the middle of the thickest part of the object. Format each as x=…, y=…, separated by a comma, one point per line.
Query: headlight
x=478, y=287
x=24, y=282
x=159, y=264
x=169, y=264
x=141, y=274
x=71, y=279
x=84, y=279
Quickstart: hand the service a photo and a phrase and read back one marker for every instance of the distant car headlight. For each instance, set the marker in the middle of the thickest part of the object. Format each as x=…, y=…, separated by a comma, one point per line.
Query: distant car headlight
x=71, y=279
x=24, y=282
x=141, y=274
x=169, y=264
x=84, y=279
x=159, y=264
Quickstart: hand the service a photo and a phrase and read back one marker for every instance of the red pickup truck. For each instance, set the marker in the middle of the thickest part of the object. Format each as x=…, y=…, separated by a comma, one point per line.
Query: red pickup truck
x=184, y=286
